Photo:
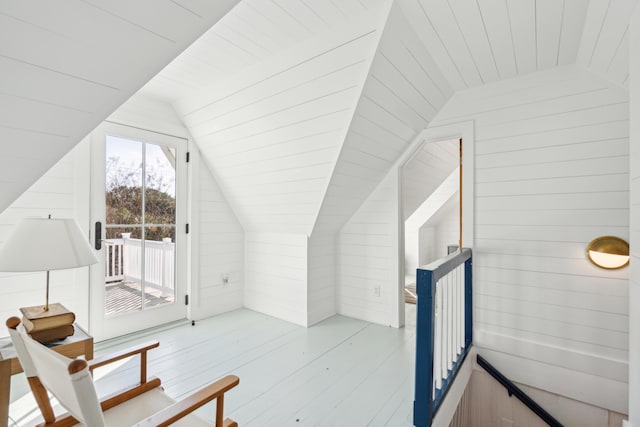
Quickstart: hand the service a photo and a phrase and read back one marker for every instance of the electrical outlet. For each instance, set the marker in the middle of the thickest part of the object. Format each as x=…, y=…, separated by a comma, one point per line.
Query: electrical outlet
x=376, y=291
x=225, y=279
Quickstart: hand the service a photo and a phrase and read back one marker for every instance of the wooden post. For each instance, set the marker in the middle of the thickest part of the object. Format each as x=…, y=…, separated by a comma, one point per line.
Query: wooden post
x=460, y=197
x=425, y=322
x=468, y=302
x=5, y=390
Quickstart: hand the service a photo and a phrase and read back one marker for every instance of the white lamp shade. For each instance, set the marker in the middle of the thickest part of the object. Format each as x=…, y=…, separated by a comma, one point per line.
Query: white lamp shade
x=39, y=244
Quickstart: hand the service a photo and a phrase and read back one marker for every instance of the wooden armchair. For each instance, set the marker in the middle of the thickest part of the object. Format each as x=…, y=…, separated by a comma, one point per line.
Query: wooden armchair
x=143, y=404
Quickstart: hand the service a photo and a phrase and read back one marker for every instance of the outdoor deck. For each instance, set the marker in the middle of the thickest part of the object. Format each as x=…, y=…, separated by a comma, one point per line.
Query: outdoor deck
x=123, y=297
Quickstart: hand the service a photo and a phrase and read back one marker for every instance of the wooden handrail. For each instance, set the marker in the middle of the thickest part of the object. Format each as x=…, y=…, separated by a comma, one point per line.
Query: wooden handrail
x=514, y=390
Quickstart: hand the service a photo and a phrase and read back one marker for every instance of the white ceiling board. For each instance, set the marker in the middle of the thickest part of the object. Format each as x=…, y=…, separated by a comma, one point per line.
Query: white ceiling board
x=613, y=30
x=164, y=19
x=618, y=69
x=426, y=171
x=440, y=15
x=252, y=32
x=523, y=17
x=399, y=99
x=274, y=131
x=274, y=13
x=604, y=45
x=417, y=17
x=549, y=18
x=573, y=20
x=67, y=66
x=474, y=33
x=30, y=82
x=480, y=41
x=596, y=15
x=495, y=14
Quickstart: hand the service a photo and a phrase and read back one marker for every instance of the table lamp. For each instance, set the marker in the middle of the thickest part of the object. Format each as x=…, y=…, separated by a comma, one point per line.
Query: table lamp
x=45, y=244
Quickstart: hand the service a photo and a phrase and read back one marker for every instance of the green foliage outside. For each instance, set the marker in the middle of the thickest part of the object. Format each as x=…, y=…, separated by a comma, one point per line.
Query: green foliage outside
x=124, y=202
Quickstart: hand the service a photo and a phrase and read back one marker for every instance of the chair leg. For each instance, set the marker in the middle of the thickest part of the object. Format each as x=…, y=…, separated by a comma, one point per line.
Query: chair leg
x=229, y=423
x=42, y=398
x=219, y=410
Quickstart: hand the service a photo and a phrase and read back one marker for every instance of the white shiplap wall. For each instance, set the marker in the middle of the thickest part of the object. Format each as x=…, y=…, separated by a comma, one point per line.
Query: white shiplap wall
x=217, y=238
x=321, y=264
x=219, y=255
x=272, y=133
x=369, y=265
x=551, y=173
x=368, y=257
x=276, y=275
x=403, y=92
x=634, y=285
x=55, y=194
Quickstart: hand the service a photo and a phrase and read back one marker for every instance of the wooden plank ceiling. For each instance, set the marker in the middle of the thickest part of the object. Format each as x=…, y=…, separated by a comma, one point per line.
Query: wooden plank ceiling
x=253, y=31
x=355, y=113
x=65, y=66
x=301, y=153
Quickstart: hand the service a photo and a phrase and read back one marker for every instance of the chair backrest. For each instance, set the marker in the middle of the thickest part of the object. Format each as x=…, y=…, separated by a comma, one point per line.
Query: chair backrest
x=61, y=376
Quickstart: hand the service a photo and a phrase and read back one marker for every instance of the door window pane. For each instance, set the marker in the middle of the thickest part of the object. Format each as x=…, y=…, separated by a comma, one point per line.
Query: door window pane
x=140, y=225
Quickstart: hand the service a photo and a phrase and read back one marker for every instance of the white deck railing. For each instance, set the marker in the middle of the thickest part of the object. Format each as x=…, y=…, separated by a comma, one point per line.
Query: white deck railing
x=123, y=261
x=113, y=260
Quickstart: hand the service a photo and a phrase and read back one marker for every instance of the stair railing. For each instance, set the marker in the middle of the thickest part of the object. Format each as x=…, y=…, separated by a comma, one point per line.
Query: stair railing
x=444, y=330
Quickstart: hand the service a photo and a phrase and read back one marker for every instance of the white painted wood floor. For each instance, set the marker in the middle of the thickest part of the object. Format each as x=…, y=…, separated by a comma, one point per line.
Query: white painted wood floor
x=340, y=372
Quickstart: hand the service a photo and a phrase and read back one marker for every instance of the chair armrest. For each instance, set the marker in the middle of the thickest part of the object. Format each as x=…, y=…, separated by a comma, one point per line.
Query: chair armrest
x=201, y=397
x=122, y=354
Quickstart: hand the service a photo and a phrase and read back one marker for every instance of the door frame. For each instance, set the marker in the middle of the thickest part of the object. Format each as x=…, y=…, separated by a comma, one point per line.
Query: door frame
x=100, y=326
x=461, y=130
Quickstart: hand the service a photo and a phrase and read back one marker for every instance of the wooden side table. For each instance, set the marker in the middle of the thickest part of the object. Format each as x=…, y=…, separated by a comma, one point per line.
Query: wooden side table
x=78, y=344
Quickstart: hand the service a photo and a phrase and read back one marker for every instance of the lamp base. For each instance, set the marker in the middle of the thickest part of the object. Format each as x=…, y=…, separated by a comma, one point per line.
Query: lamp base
x=36, y=319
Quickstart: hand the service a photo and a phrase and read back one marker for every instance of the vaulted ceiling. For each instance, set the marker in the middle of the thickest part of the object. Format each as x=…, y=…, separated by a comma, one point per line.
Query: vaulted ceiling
x=65, y=66
x=299, y=106
x=251, y=32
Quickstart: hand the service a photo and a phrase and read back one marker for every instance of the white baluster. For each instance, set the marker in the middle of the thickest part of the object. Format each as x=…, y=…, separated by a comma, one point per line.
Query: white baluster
x=456, y=315
x=450, y=334
x=445, y=324
x=461, y=307
x=437, y=341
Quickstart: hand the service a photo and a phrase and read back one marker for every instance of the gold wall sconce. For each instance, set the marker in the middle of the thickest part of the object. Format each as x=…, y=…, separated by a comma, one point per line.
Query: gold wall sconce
x=608, y=252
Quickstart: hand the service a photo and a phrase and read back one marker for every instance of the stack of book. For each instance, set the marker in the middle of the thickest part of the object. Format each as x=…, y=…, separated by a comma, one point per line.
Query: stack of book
x=46, y=326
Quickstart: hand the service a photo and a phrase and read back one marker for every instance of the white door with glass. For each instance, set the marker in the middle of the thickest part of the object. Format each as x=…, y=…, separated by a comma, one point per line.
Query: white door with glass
x=138, y=228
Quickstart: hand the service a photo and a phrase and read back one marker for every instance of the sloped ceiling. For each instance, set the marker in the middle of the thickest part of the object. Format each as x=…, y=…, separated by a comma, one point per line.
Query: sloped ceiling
x=252, y=32
x=273, y=132
x=299, y=140
x=274, y=138
x=604, y=49
x=403, y=92
x=336, y=125
x=480, y=41
x=426, y=171
x=65, y=66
